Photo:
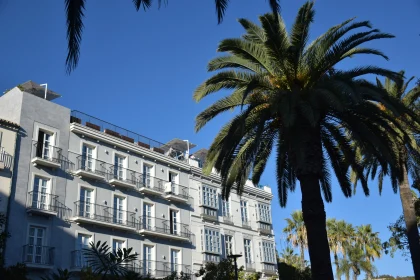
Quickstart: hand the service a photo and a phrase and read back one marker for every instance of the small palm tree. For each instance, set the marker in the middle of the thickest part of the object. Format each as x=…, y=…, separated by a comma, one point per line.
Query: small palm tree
x=356, y=263
x=291, y=101
x=296, y=234
x=289, y=257
x=105, y=262
x=340, y=236
x=61, y=274
x=75, y=12
x=369, y=243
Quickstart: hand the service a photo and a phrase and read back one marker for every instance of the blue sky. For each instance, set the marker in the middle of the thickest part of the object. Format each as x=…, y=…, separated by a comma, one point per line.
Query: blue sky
x=139, y=70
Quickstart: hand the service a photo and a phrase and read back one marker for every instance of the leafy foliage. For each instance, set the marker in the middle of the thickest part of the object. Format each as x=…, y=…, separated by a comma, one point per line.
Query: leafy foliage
x=224, y=270
x=61, y=274
x=296, y=233
x=75, y=12
x=15, y=272
x=287, y=271
x=355, y=262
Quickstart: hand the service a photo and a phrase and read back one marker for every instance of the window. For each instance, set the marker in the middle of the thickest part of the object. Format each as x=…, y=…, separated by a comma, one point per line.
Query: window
x=211, y=241
x=174, y=225
x=147, y=173
x=117, y=244
x=175, y=260
x=173, y=178
x=35, y=250
x=147, y=259
x=40, y=194
x=226, y=208
x=147, y=216
x=44, y=148
x=1, y=137
x=248, y=251
x=268, y=252
x=86, y=202
x=209, y=196
x=119, y=208
x=87, y=158
x=244, y=211
x=119, y=163
x=264, y=212
x=228, y=245
x=83, y=241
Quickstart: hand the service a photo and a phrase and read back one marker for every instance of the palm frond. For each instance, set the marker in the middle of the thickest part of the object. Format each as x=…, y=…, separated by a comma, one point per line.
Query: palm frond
x=75, y=13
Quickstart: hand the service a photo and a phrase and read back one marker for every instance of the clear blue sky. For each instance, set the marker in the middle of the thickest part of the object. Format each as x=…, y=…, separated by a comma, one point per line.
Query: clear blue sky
x=138, y=70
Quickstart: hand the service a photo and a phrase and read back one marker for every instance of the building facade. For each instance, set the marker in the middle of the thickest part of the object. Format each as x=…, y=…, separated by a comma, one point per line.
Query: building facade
x=78, y=179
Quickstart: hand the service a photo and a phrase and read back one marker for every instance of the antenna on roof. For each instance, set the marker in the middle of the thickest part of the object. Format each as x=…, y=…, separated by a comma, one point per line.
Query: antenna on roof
x=46, y=90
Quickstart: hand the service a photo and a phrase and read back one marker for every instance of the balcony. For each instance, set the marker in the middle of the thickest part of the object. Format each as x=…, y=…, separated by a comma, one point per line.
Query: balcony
x=151, y=185
x=264, y=228
x=123, y=177
x=246, y=224
x=5, y=159
x=228, y=219
x=38, y=256
x=151, y=226
x=175, y=192
x=78, y=260
x=250, y=267
x=103, y=215
x=269, y=269
x=42, y=203
x=87, y=167
x=46, y=155
x=158, y=269
x=209, y=214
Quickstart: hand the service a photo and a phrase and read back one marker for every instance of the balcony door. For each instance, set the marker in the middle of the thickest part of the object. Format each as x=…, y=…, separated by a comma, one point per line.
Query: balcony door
x=147, y=173
x=248, y=251
x=175, y=260
x=87, y=158
x=147, y=216
x=147, y=260
x=85, y=207
x=83, y=241
x=173, y=178
x=119, y=167
x=44, y=145
x=35, y=252
x=40, y=194
x=119, y=207
x=174, y=224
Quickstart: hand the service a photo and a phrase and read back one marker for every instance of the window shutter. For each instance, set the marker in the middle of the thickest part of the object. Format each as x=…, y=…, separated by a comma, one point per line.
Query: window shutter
x=40, y=143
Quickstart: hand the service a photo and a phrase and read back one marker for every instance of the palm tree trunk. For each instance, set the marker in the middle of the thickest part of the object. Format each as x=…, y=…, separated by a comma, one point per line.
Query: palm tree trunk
x=348, y=275
x=336, y=266
x=306, y=156
x=316, y=227
x=410, y=223
x=302, y=256
x=354, y=276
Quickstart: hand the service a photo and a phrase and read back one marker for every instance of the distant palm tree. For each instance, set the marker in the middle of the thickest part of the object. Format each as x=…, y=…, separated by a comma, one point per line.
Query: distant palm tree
x=292, y=100
x=369, y=243
x=356, y=263
x=340, y=236
x=409, y=162
x=75, y=12
x=296, y=234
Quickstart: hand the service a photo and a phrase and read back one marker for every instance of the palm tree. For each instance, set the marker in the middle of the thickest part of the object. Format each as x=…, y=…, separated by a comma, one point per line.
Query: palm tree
x=289, y=257
x=296, y=234
x=355, y=262
x=75, y=12
x=369, y=243
x=410, y=164
x=340, y=236
x=105, y=262
x=291, y=99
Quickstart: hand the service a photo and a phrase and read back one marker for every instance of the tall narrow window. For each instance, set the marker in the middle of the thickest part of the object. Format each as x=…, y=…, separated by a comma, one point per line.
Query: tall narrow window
x=119, y=208
x=117, y=244
x=119, y=167
x=40, y=194
x=248, y=251
x=147, y=260
x=175, y=260
x=87, y=158
x=86, y=203
x=210, y=198
x=44, y=145
x=83, y=241
x=35, y=250
x=228, y=245
x=147, y=216
x=147, y=173
x=173, y=178
x=225, y=208
x=174, y=226
x=244, y=211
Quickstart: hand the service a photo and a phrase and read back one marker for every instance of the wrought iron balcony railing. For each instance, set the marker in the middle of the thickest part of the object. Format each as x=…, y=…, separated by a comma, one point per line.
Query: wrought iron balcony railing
x=151, y=183
x=38, y=255
x=5, y=159
x=42, y=201
x=162, y=226
x=123, y=177
x=162, y=269
x=44, y=152
x=90, y=167
x=105, y=214
x=174, y=189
